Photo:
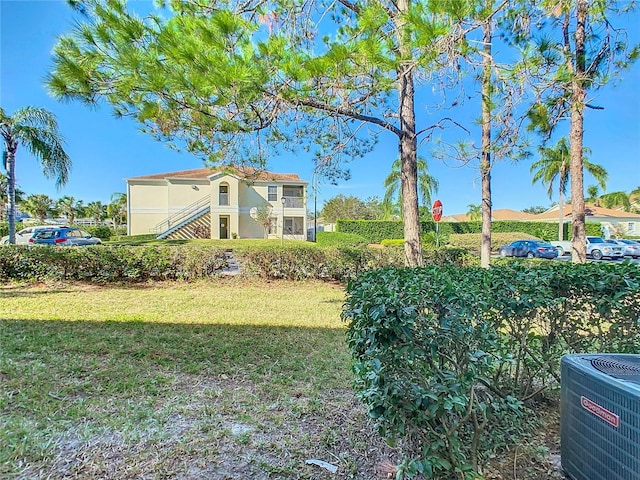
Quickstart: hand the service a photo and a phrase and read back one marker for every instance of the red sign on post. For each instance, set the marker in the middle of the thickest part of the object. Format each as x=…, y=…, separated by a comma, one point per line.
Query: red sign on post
x=436, y=211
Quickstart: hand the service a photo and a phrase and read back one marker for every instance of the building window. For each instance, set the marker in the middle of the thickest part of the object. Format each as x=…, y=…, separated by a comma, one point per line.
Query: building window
x=273, y=226
x=293, y=225
x=631, y=227
x=272, y=193
x=223, y=195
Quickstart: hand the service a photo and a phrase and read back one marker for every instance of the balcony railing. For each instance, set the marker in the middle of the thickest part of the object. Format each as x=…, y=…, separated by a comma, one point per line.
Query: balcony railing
x=293, y=202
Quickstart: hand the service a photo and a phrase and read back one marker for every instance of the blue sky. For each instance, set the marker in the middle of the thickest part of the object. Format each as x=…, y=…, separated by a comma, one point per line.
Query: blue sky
x=106, y=150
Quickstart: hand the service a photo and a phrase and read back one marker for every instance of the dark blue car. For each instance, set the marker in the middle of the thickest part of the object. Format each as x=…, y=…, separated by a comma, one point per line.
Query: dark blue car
x=63, y=236
x=529, y=249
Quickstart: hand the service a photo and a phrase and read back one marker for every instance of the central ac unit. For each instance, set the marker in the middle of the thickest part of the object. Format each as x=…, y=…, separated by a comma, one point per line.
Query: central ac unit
x=600, y=416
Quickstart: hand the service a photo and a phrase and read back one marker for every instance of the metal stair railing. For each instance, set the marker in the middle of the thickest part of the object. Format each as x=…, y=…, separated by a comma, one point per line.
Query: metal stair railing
x=180, y=216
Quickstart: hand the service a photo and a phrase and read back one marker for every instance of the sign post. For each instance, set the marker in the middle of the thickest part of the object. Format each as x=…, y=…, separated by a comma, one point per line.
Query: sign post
x=436, y=212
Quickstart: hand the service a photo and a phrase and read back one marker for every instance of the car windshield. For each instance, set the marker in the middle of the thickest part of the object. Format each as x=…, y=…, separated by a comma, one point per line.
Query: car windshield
x=596, y=240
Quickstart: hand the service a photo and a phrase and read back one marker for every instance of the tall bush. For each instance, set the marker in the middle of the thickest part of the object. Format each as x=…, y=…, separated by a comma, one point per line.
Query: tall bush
x=375, y=230
x=446, y=358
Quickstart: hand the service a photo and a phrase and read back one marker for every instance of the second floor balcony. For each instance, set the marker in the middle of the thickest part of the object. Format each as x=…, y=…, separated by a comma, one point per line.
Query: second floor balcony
x=293, y=202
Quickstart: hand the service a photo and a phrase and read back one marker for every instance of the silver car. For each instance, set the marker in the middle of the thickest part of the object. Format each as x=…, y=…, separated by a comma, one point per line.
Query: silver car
x=631, y=248
x=23, y=236
x=597, y=248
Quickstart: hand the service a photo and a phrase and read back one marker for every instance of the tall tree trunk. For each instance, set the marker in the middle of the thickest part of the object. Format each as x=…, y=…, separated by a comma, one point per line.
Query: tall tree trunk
x=408, y=148
x=561, y=207
x=578, y=244
x=12, y=147
x=485, y=161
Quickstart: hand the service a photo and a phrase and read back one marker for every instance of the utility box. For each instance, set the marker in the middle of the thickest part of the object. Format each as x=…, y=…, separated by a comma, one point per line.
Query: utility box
x=600, y=416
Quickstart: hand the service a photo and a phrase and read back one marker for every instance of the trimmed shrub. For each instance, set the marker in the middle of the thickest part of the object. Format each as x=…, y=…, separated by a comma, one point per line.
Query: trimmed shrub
x=375, y=230
x=101, y=231
x=447, y=360
x=302, y=262
x=110, y=263
x=473, y=241
x=334, y=239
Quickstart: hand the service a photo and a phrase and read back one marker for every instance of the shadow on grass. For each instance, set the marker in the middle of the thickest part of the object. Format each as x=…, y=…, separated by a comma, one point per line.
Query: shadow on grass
x=299, y=353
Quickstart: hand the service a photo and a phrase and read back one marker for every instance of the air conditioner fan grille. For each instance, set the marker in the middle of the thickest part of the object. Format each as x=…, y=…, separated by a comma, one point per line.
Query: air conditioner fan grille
x=624, y=368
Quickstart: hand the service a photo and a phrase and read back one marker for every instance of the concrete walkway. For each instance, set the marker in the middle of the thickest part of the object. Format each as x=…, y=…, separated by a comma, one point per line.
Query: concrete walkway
x=232, y=267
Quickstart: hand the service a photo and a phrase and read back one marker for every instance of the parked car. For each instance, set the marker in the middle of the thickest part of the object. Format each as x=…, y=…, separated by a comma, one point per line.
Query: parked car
x=598, y=248
x=23, y=236
x=630, y=248
x=63, y=236
x=529, y=249
x=563, y=247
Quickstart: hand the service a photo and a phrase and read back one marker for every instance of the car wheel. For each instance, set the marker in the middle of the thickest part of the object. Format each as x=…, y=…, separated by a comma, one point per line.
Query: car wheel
x=503, y=253
x=530, y=255
x=596, y=254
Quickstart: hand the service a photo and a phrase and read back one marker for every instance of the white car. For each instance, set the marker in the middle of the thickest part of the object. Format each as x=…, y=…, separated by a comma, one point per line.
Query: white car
x=23, y=236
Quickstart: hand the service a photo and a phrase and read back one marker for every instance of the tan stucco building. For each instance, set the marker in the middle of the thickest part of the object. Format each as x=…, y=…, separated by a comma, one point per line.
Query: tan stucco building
x=217, y=203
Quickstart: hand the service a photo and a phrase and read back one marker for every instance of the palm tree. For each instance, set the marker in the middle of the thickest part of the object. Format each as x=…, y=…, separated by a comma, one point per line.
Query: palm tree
x=4, y=195
x=616, y=199
x=554, y=165
x=474, y=212
x=117, y=209
x=634, y=198
x=69, y=207
x=95, y=210
x=38, y=206
x=37, y=130
x=427, y=185
x=593, y=193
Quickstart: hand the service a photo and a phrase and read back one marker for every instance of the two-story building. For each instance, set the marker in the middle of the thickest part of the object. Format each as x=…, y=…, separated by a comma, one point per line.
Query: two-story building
x=218, y=203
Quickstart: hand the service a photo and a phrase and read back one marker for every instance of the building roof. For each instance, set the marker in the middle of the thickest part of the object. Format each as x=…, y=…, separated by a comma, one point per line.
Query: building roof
x=590, y=211
x=247, y=173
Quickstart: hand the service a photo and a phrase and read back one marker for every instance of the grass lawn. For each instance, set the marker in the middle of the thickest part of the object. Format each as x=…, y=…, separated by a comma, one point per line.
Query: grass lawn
x=211, y=380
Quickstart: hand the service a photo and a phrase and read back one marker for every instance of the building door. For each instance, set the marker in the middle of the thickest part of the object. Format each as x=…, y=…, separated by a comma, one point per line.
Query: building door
x=224, y=228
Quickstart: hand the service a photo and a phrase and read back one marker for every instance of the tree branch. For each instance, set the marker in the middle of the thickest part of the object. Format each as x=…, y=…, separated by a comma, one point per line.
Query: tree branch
x=318, y=105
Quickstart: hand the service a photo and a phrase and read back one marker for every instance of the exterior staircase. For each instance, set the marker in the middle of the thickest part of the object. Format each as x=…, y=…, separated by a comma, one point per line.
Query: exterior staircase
x=179, y=224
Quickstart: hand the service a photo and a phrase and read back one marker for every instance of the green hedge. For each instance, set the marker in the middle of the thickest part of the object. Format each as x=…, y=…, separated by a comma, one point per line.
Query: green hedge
x=473, y=241
x=109, y=263
x=4, y=228
x=101, y=231
x=336, y=263
x=376, y=230
x=336, y=239
x=303, y=262
x=447, y=358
